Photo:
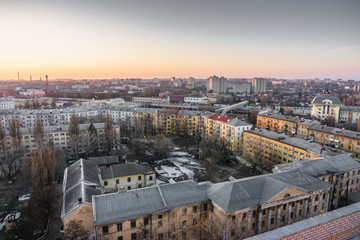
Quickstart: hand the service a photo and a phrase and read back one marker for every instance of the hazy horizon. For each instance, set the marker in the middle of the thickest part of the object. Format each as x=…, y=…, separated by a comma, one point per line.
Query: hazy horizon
x=163, y=38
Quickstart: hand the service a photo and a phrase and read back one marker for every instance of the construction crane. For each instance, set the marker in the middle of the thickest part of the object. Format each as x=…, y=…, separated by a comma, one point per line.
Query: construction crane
x=231, y=107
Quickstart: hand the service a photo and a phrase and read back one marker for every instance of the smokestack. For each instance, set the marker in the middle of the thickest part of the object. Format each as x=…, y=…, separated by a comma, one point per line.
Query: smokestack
x=18, y=76
x=30, y=78
x=47, y=84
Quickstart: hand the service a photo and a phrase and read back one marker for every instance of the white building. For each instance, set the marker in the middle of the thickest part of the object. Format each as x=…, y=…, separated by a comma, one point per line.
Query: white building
x=151, y=99
x=326, y=105
x=6, y=103
x=240, y=88
x=259, y=85
x=199, y=100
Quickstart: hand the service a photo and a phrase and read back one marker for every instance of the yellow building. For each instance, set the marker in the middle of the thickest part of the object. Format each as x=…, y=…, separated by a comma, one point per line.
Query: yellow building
x=337, y=138
x=228, y=210
x=269, y=148
x=293, y=126
x=121, y=177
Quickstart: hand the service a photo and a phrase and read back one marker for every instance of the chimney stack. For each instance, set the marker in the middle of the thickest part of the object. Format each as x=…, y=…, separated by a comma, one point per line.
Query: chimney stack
x=47, y=84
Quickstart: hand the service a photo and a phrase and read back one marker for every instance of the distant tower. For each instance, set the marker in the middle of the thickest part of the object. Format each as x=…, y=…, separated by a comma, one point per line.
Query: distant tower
x=47, y=84
x=30, y=78
x=18, y=76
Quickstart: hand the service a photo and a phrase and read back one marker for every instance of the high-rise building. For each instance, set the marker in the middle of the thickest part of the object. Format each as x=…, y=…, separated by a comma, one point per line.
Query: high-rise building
x=216, y=84
x=259, y=85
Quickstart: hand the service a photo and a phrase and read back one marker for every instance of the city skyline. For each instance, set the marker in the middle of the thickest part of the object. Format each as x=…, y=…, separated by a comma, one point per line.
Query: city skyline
x=91, y=39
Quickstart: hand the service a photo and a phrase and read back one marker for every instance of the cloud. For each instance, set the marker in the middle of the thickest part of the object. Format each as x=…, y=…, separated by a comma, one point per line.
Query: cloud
x=344, y=49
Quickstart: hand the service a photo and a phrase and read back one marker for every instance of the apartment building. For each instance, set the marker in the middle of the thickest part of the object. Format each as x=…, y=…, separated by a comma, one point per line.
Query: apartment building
x=59, y=137
x=188, y=210
x=225, y=128
x=293, y=126
x=340, y=170
x=349, y=114
x=274, y=148
x=126, y=176
x=151, y=99
x=7, y=103
x=166, y=121
x=337, y=138
x=324, y=106
x=84, y=179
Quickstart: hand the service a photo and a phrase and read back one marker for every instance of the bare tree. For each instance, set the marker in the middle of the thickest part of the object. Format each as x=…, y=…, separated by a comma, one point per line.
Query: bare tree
x=11, y=152
x=74, y=134
x=43, y=165
x=39, y=131
x=108, y=135
x=75, y=230
x=90, y=141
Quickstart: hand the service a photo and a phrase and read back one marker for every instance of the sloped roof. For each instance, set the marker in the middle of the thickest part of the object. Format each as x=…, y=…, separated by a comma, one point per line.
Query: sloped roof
x=236, y=195
x=104, y=160
x=221, y=118
x=319, y=99
x=125, y=169
x=336, y=131
x=81, y=180
x=150, y=200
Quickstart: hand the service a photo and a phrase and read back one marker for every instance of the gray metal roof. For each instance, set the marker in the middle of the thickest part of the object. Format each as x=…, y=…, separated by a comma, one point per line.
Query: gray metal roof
x=336, y=131
x=81, y=180
x=143, y=201
x=296, y=142
x=244, y=193
x=105, y=160
x=125, y=169
x=349, y=109
x=319, y=99
x=236, y=122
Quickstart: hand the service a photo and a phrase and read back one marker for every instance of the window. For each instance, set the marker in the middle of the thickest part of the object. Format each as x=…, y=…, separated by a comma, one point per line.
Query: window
x=151, y=178
x=194, y=209
x=315, y=208
x=317, y=198
x=272, y=220
x=129, y=179
x=184, y=211
x=244, y=216
x=194, y=221
x=117, y=181
x=133, y=223
x=205, y=207
x=139, y=186
x=160, y=224
x=183, y=224
x=119, y=227
x=292, y=215
x=105, y=183
x=129, y=187
x=233, y=218
x=263, y=223
x=253, y=226
x=232, y=232
x=254, y=213
x=283, y=218
x=160, y=236
x=160, y=216
x=145, y=234
x=105, y=229
x=133, y=236
x=120, y=238
x=139, y=178
x=146, y=221
x=284, y=207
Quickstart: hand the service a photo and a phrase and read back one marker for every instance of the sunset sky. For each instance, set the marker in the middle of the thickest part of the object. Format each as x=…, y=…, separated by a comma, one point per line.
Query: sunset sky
x=181, y=38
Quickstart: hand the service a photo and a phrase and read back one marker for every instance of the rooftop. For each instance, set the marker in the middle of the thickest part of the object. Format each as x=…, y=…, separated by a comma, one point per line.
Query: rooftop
x=336, y=131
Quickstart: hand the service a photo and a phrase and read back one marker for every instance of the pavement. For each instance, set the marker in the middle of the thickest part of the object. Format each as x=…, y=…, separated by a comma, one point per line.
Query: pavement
x=55, y=221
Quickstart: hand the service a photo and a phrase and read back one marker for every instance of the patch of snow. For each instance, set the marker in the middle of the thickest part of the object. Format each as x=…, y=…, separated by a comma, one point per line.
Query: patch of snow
x=179, y=154
x=24, y=197
x=158, y=182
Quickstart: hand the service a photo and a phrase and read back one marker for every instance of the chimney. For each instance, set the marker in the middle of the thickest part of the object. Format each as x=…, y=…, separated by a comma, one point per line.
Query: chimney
x=47, y=84
x=80, y=200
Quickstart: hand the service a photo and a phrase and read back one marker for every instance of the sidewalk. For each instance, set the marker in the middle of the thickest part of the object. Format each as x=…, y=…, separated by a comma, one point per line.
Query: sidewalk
x=55, y=221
